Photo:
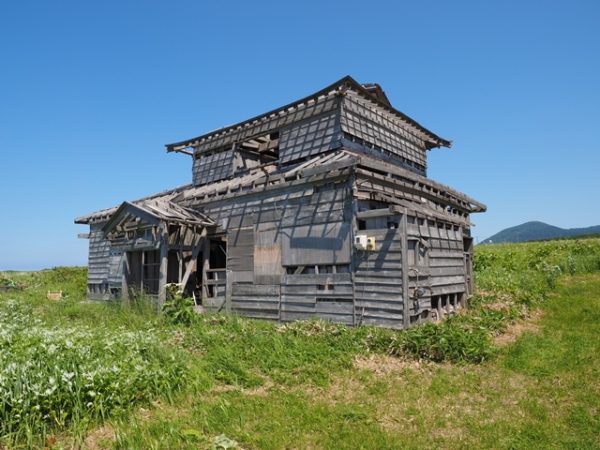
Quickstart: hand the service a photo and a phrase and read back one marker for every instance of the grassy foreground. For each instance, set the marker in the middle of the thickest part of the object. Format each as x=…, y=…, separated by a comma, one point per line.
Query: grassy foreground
x=501, y=375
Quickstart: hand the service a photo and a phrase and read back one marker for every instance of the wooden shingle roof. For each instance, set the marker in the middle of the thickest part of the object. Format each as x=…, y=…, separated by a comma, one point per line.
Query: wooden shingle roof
x=371, y=91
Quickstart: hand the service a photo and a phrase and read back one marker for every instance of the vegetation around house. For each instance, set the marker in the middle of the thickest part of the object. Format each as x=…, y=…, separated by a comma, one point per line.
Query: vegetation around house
x=519, y=368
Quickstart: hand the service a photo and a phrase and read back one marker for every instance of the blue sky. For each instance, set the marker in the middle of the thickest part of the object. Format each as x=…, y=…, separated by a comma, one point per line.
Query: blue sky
x=91, y=91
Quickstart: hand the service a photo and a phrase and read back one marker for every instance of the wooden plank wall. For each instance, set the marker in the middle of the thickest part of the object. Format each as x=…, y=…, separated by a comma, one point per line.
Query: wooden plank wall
x=327, y=296
x=310, y=137
x=378, y=280
x=98, y=263
x=274, y=122
x=376, y=126
x=115, y=268
x=214, y=167
x=268, y=235
x=446, y=255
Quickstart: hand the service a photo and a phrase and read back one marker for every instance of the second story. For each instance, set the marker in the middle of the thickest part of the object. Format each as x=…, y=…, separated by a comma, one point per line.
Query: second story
x=344, y=114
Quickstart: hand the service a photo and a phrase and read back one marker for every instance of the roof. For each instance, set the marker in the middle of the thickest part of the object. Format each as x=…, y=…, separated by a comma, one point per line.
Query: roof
x=270, y=177
x=372, y=91
x=105, y=214
x=155, y=211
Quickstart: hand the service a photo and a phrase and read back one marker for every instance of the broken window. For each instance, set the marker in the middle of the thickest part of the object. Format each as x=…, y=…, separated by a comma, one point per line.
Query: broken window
x=417, y=252
x=321, y=269
x=257, y=151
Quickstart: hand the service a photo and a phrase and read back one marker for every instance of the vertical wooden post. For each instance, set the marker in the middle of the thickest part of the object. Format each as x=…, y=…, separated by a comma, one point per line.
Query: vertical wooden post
x=124, y=278
x=180, y=258
x=228, y=287
x=164, y=259
x=142, y=262
x=405, y=268
x=353, y=228
x=205, y=267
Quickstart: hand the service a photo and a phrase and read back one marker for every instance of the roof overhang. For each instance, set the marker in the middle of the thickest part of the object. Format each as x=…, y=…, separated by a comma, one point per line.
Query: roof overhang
x=156, y=213
x=371, y=91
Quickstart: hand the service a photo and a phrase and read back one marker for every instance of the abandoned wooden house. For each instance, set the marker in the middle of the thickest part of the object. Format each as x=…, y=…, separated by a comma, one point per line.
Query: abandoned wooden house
x=320, y=208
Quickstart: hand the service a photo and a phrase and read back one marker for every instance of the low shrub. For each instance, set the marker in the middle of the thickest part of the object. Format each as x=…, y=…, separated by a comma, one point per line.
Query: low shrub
x=178, y=308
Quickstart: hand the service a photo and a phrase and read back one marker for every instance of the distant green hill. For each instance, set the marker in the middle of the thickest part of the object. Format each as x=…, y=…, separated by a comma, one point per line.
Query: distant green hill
x=535, y=231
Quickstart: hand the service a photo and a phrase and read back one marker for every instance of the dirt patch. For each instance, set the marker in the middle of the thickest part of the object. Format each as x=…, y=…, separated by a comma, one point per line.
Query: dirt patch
x=514, y=331
x=496, y=301
x=100, y=438
x=261, y=390
x=384, y=364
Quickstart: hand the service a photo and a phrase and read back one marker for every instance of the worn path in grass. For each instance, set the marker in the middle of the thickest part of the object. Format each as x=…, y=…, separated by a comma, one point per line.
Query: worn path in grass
x=542, y=391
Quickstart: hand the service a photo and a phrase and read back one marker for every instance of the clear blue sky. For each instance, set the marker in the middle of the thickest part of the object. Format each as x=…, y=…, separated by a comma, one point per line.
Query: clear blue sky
x=90, y=92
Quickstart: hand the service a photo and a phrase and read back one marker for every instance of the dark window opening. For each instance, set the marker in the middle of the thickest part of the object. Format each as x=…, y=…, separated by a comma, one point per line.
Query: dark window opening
x=218, y=254
x=257, y=151
x=321, y=269
x=333, y=300
x=325, y=287
x=342, y=268
x=417, y=252
x=325, y=269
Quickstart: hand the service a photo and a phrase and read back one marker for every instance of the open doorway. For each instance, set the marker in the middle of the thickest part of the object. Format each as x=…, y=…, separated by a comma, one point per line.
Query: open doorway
x=211, y=271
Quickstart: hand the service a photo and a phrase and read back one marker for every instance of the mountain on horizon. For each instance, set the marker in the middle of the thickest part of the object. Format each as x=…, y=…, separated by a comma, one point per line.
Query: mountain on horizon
x=535, y=231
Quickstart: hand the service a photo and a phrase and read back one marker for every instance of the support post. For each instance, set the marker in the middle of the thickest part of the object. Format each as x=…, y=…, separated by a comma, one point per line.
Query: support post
x=405, y=268
x=142, y=262
x=192, y=263
x=180, y=260
x=124, y=277
x=164, y=259
x=228, y=288
x=205, y=268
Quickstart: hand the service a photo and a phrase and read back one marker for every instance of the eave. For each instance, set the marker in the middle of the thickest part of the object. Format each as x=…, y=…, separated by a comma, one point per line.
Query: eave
x=344, y=83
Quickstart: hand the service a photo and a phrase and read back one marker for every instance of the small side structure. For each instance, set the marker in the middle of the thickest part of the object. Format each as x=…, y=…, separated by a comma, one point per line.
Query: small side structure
x=320, y=208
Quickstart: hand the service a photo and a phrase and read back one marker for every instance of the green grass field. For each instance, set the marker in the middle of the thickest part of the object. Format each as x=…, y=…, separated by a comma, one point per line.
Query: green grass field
x=519, y=369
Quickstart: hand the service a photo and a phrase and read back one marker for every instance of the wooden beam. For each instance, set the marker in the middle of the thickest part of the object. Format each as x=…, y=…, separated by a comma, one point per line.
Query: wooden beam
x=192, y=263
x=405, y=304
x=374, y=213
x=124, y=277
x=164, y=260
x=205, y=268
x=228, y=289
x=180, y=261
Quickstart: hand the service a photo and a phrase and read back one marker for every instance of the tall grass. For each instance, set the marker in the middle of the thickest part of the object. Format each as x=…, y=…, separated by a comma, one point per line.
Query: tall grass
x=61, y=369
x=70, y=364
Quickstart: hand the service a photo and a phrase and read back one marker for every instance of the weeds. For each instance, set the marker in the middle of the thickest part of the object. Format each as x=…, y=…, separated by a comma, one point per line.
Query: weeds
x=53, y=377
x=71, y=364
x=178, y=308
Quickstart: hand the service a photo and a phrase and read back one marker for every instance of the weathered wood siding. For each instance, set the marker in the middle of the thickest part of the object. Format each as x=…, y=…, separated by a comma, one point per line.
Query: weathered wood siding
x=378, y=287
x=98, y=263
x=327, y=296
x=271, y=123
x=213, y=167
x=115, y=268
x=310, y=137
x=270, y=235
x=377, y=127
x=446, y=259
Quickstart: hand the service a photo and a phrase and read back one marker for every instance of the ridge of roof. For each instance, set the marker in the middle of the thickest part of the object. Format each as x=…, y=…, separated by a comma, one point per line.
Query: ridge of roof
x=367, y=91
x=87, y=218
